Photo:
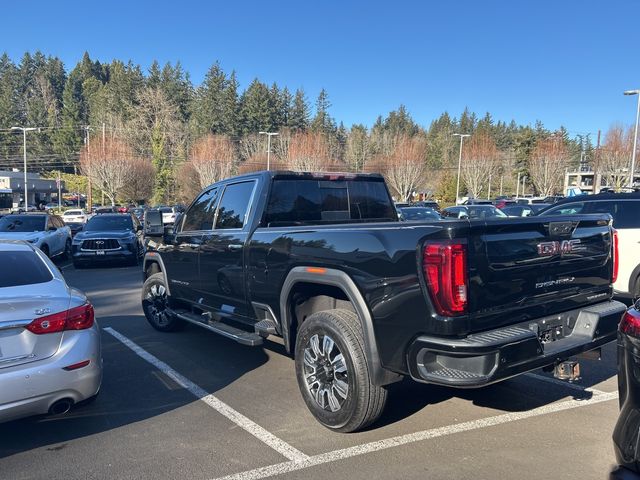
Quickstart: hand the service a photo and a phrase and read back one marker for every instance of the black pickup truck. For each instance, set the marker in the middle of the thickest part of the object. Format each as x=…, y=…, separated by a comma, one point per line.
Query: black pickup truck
x=362, y=300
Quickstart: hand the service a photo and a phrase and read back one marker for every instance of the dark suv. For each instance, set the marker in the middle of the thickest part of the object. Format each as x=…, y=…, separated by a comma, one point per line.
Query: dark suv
x=625, y=210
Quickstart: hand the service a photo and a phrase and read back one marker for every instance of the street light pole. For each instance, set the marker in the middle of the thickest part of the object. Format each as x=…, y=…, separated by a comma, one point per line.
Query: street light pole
x=635, y=136
x=24, y=131
x=269, y=135
x=461, y=135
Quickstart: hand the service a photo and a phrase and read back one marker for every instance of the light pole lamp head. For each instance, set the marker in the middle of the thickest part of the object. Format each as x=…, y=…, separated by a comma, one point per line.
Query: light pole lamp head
x=631, y=92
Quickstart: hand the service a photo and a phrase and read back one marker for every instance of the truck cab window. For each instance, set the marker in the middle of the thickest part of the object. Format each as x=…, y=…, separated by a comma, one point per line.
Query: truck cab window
x=234, y=205
x=200, y=214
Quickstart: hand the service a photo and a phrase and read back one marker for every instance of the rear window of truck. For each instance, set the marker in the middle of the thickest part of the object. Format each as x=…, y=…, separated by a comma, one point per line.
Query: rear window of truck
x=313, y=201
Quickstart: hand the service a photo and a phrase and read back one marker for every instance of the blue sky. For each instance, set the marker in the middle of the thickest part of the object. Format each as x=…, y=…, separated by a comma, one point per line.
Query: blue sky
x=563, y=62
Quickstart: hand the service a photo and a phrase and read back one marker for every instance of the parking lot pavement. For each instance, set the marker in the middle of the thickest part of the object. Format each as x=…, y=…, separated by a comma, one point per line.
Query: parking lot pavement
x=250, y=421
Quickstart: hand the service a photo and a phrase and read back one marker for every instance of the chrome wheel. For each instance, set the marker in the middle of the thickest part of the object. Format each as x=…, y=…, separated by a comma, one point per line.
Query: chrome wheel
x=325, y=373
x=156, y=304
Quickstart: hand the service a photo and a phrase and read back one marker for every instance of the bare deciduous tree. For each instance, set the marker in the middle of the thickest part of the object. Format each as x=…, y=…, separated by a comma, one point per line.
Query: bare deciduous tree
x=479, y=163
x=213, y=158
x=139, y=186
x=405, y=167
x=547, y=165
x=308, y=152
x=615, y=156
x=108, y=165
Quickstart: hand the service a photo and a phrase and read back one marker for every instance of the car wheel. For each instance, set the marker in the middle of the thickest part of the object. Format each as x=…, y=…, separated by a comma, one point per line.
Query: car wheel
x=332, y=372
x=155, y=304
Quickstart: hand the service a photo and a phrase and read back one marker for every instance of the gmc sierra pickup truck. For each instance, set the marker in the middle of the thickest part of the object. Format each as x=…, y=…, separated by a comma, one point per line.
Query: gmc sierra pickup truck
x=362, y=300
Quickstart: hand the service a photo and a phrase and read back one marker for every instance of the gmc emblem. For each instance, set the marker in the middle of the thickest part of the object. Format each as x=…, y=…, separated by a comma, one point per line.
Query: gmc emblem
x=547, y=249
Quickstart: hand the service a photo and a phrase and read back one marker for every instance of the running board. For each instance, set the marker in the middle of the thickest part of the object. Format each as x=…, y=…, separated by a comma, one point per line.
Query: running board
x=241, y=336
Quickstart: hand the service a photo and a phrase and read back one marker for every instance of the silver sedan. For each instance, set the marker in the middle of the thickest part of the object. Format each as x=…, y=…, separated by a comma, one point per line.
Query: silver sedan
x=50, y=356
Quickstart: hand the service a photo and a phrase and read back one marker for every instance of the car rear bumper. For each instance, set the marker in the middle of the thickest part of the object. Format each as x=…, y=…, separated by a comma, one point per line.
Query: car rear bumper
x=495, y=355
x=80, y=256
x=31, y=388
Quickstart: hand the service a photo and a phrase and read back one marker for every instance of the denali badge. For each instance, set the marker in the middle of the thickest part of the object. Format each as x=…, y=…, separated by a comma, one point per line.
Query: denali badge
x=564, y=247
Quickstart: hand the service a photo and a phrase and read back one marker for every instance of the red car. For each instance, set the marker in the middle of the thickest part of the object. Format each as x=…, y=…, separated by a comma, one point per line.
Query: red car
x=504, y=203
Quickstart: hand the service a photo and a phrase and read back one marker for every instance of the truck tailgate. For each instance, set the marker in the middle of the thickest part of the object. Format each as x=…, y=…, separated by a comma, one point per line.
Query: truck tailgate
x=537, y=266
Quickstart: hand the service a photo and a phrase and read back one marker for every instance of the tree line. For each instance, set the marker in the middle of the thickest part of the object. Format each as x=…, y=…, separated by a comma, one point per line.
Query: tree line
x=155, y=136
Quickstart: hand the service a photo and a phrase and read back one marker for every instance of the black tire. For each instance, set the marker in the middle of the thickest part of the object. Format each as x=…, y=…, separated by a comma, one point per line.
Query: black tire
x=155, y=304
x=364, y=402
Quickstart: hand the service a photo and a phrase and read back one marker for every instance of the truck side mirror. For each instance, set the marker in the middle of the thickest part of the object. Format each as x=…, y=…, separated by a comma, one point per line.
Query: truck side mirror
x=153, y=225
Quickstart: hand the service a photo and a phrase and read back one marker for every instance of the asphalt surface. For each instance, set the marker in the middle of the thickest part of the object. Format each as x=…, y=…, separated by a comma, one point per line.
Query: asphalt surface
x=250, y=422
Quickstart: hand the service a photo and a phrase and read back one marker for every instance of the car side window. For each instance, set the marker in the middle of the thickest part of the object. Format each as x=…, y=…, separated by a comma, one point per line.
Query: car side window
x=234, y=205
x=567, y=209
x=624, y=212
x=201, y=213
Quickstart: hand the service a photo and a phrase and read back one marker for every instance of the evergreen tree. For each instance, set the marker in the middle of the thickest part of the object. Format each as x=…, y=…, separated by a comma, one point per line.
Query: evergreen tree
x=323, y=122
x=255, y=109
x=299, y=116
x=208, y=105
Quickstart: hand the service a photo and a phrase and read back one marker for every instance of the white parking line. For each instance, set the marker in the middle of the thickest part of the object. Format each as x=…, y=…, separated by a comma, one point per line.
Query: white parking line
x=236, y=417
x=561, y=383
x=292, y=466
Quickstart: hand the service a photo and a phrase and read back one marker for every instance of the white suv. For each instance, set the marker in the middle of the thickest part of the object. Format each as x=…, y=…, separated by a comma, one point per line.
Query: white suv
x=625, y=210
x=47, y=232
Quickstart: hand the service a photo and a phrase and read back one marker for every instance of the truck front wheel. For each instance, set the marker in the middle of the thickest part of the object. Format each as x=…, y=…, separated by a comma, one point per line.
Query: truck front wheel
x=332, y=372
x=155, y=305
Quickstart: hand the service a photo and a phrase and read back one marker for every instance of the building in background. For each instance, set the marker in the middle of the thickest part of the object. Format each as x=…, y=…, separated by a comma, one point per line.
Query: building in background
x=591, y=182
x=39, y=190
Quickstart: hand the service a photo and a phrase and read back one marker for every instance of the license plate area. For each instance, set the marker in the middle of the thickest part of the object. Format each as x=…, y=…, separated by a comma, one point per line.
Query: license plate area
x=99, y=252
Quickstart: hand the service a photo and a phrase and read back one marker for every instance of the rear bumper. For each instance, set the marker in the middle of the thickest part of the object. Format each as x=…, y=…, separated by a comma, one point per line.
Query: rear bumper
x=488, y=357
x=31, y=388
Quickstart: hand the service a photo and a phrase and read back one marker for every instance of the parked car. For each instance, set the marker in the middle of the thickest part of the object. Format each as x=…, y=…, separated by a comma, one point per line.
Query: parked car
x=625, y=210
x=108, y=237
x=74, y=215
x=362, y=300
x=475, y=201
x=50, y=341
x=20, y=208
x=626, y=435
x=103, y=210
x=418, y=214
x=47, y=232
x=139, y=213
x=529, y=200
x=75, y=228
x=553, y=198
x=503, y=202
x=169, y=214
x=524, y=210
x=473, y=211
x=427, y=203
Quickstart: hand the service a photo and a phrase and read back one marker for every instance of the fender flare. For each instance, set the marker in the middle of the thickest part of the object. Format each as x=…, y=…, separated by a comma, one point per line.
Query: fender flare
x=154, y=257
x=337, y=278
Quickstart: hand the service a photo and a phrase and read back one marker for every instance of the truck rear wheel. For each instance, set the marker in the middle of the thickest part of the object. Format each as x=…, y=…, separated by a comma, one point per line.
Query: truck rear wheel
x=155, y=304
x=332, y=372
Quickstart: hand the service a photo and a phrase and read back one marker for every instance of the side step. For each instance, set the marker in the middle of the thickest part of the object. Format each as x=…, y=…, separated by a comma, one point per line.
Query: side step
x=265, y=327
x=241, y=336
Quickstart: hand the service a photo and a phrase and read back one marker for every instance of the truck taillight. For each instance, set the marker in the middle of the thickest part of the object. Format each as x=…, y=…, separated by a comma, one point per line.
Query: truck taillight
x=616, y=257
x=445, y=272
x=630, y=323
x=77, y=318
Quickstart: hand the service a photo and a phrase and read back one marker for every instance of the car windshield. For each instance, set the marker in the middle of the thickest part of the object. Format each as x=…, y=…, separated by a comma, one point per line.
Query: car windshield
x=485, y=211
x=122, y=222
x=166, y=210
x=419, y=213
x=22, y=223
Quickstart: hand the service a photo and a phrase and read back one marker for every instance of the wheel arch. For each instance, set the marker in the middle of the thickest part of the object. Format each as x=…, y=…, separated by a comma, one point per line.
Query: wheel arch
x=337, y=281
x=634, y=279
x=153, y=263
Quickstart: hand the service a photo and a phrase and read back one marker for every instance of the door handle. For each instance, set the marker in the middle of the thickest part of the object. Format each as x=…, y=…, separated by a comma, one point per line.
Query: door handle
x=234, y=247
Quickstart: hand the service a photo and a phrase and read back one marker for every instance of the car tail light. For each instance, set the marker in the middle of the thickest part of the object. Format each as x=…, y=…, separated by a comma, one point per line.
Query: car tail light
x=616, y=257
x=77, y=318
x=630, y=323
x=445, y=272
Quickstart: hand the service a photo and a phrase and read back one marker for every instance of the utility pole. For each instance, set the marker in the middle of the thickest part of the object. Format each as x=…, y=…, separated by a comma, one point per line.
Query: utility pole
x=596, y=165
x=269, y=135
x=635, y=137
x=462, y=136
x=59, y=185
x=518, y=186
x=89, y=194
x=24, y=131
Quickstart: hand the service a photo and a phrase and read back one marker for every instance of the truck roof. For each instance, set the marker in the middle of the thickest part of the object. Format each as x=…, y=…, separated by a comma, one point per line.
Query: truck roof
x=318, y=175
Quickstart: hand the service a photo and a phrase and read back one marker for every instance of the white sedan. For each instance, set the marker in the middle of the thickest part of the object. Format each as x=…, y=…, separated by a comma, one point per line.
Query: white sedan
x=76, y=215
